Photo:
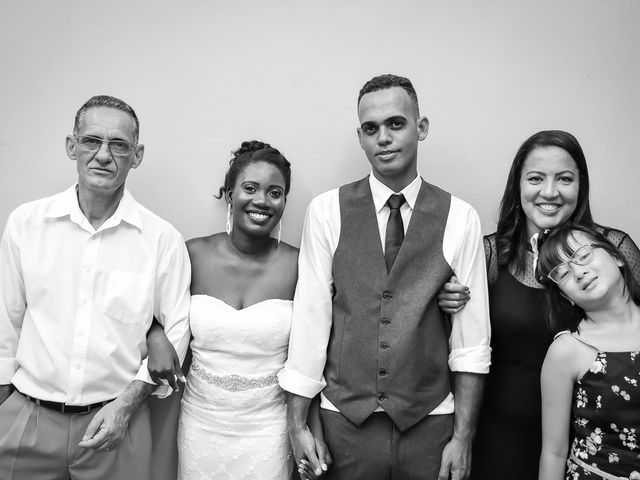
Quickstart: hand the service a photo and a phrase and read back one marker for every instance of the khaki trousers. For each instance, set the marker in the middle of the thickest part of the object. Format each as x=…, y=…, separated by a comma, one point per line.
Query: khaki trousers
x=37, y=443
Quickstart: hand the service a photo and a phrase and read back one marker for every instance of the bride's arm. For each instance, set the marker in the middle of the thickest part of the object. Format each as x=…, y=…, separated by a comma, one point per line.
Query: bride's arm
x=163, y=361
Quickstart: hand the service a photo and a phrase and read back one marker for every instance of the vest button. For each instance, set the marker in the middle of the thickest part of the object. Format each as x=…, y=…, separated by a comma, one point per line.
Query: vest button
x=387, y=296
x=382, y=372
x=384, y=345
x=380, y=396
x=385, y=320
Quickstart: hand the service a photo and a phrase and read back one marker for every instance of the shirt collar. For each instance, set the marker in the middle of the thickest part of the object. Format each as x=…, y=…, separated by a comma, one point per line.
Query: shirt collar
x=381, y=193
x=67, y=204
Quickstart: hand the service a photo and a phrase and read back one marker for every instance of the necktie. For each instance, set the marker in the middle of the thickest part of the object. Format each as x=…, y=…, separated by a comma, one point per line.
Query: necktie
x=395, y=230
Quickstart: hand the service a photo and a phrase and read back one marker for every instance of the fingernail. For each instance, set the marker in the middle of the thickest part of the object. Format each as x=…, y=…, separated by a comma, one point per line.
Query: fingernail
x=324, y=467
x=183, y=379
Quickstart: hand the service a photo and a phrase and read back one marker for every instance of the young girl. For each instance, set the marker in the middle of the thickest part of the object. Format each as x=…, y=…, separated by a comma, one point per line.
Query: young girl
x=591, y=374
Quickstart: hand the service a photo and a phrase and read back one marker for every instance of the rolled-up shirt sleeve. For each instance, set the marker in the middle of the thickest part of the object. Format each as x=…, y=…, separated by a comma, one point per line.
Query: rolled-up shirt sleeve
x=470, y=331
x=312, y=307
x=13, y=301
x=171, y=303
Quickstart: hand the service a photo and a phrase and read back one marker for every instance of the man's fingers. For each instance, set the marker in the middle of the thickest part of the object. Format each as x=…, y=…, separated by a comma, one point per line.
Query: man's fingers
x=96, y=441
x=323, y=456
x=93, y=427
x=445, y=466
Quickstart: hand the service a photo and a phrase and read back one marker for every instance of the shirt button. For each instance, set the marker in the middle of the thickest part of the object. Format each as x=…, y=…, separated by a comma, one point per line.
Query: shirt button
x=387, y=295
x=385, y=320
x=380, y=396
x=384, y=345
x=382, y=372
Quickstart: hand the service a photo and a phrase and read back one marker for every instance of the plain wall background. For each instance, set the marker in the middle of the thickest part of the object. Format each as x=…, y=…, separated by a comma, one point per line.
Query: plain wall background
x=205, y=75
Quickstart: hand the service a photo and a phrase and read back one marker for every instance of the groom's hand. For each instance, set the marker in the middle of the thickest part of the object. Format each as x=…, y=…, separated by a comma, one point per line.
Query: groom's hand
x=456, y=460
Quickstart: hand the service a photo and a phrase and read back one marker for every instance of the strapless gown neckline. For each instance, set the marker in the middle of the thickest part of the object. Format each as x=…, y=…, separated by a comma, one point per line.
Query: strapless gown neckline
x=248, y=307
x=233, y=414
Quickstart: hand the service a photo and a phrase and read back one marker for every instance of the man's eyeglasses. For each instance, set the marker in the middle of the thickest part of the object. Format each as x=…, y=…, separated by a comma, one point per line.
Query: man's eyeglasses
x=581, y=256
x=93, y=144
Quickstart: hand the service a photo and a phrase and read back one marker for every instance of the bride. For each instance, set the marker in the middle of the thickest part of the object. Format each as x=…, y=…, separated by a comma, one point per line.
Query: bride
x=233, y=416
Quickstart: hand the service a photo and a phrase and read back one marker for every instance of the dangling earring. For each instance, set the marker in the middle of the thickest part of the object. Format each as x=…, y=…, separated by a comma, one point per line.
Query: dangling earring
x=279, y=231
x=228, y=219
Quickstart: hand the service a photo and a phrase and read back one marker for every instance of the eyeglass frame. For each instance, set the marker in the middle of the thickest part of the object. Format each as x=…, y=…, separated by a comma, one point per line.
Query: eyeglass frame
x=103, y=141
x=591, y=247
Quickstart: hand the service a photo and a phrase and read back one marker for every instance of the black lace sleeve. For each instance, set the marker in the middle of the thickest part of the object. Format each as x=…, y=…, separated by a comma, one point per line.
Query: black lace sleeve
x=492, y=257
x=627, y=247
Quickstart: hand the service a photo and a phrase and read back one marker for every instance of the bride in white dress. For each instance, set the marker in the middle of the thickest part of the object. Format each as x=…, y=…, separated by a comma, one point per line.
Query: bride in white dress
x=233, y=414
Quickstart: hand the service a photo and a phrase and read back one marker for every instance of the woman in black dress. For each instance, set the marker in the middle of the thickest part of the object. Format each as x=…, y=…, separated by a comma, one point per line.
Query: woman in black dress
x=548, y=186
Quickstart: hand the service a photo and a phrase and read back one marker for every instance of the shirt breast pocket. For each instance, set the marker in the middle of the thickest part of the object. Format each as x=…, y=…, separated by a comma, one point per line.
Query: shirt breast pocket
x=128, y=296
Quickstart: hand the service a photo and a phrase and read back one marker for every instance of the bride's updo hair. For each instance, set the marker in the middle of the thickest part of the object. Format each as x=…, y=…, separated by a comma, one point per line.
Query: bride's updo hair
x=252, y=152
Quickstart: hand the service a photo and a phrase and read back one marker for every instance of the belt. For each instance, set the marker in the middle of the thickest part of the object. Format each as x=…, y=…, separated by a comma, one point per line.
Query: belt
x=63, y=407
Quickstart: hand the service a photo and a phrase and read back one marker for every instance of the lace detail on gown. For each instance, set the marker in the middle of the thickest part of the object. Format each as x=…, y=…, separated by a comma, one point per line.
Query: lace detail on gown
x=233, y=414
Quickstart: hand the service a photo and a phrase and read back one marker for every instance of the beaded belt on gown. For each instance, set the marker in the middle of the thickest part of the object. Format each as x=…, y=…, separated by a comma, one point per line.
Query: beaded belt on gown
x=234, y=383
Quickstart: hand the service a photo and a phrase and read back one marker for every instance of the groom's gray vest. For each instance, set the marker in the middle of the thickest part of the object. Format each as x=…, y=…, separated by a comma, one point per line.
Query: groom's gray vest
x=389, y=340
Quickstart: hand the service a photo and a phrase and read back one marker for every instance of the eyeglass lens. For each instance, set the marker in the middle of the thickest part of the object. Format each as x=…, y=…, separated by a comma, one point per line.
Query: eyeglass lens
x=116, y=147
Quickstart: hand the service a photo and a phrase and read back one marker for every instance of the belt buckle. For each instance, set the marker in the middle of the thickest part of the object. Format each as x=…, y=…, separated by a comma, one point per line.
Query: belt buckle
x=76, y=409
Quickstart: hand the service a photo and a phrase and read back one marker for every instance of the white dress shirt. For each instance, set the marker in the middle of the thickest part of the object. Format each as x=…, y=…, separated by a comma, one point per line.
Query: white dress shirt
x=76, y=303
x=312, y=313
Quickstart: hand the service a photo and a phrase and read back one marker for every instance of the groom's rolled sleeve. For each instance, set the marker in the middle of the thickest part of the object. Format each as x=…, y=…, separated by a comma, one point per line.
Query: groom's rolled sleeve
x=312, y=306
x=470, y=330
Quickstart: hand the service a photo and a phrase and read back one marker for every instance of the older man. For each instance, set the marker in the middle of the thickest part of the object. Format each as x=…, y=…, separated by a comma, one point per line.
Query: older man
x=82, y=274
x=367, y=330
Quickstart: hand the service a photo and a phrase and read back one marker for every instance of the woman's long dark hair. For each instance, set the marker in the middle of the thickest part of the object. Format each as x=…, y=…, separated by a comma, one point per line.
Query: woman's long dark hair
x=511, y=234
x=561, y=314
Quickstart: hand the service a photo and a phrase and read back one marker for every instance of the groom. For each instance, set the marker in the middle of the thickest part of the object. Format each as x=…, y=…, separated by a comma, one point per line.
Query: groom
x=401, y=385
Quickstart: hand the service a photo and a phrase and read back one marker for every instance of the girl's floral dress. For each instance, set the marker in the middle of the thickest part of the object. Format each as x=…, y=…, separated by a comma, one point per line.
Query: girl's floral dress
x=606, y=417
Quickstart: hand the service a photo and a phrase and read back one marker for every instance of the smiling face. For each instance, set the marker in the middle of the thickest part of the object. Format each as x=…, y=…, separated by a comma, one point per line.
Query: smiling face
x=549, y=185
x=101, y=171
x=257, y=199
x=389, y=132
x=598, y=280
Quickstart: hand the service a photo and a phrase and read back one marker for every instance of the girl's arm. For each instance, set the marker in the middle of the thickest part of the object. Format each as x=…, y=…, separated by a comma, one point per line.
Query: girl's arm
x=557, y=380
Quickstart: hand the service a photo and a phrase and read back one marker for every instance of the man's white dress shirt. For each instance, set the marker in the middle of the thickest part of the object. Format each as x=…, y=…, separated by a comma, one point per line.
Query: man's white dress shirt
x=76, y=303
x=312, y=309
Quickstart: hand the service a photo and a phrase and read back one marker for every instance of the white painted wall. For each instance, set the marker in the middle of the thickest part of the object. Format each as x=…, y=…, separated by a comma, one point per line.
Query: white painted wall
x=205, y=75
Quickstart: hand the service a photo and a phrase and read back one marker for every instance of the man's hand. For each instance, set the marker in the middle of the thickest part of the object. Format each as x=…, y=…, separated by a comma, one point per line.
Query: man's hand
x=311, y=455
x=5, y=392
x=453, y=296
x=456, y=459
x=163, y=361
x=108, y=427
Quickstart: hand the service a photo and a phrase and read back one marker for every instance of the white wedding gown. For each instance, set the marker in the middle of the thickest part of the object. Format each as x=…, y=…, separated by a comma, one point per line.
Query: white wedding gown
x=233, y=413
